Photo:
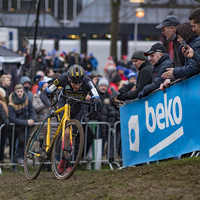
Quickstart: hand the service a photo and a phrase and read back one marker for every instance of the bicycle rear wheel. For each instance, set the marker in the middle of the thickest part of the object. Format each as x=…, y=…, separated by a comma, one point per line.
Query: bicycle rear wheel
x=76, y=153
x=32, y=163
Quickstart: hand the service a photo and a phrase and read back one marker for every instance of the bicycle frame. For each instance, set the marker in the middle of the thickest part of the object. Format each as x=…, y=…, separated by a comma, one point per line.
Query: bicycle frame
x=66, y=117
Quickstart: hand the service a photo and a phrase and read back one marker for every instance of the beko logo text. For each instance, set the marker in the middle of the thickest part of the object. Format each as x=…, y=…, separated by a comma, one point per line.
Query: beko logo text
x=164, y=115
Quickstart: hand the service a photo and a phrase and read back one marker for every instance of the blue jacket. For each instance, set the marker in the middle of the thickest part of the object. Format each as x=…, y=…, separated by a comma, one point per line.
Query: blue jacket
x=191, y=66
x=94, y=62
x=159, y=69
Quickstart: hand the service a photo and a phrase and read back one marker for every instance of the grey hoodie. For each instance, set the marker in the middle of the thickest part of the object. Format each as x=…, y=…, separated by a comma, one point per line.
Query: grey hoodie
x=27, y=89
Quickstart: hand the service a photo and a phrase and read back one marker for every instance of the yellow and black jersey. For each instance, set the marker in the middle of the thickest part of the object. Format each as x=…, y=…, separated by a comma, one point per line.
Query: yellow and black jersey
x=63, y=81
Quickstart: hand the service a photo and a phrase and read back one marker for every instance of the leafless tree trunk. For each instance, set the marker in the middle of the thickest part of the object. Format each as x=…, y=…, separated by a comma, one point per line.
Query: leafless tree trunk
x=115, y=5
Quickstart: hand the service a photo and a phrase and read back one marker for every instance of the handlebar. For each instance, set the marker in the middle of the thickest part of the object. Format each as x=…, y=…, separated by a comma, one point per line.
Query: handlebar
x=71, y=100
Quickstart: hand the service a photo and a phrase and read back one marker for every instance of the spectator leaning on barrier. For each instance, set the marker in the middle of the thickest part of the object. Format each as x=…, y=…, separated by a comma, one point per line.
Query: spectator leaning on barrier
x=144, y=77
x=194, y=18
x=191, y=67
x=168, y=26
x=22, y=114
x=160, y=60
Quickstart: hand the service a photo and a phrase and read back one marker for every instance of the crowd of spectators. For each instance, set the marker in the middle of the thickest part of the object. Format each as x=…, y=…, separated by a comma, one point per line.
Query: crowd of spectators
x=121, y=82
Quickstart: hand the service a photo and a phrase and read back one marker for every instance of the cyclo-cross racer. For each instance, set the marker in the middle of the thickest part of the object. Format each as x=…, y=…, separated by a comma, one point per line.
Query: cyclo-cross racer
x=76, y=84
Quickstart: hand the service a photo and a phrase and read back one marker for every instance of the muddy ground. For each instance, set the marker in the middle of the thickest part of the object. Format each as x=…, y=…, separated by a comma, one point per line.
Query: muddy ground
x=166, y=180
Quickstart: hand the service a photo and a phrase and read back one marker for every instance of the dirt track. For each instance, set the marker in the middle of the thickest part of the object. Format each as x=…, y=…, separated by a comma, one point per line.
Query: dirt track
x=166, y=180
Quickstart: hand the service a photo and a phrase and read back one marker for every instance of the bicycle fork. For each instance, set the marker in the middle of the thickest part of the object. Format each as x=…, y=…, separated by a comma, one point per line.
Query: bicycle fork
x=66, y=118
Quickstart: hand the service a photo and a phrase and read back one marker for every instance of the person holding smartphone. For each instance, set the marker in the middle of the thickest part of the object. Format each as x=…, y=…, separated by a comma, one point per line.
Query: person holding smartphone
x=194, y=18
x=185, y=34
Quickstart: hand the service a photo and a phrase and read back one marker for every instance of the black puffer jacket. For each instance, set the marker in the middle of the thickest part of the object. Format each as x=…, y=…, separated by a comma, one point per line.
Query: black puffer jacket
x=108, y=113
x=3, y=116
x=159, y=69
x=144, y=78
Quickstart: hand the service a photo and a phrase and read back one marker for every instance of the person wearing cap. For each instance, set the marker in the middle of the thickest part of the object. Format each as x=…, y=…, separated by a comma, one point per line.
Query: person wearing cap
x=161, y=61
x=144, y=77
x=168, y=26
x=194, y=18
x=191, y=67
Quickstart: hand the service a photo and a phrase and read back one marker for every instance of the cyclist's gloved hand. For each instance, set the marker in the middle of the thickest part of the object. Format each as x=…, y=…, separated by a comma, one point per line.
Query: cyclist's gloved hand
x=97, y=102
x=52, y=112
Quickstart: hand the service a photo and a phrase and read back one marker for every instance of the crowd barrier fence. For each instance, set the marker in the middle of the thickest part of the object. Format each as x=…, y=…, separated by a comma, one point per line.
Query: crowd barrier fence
x=93, y=157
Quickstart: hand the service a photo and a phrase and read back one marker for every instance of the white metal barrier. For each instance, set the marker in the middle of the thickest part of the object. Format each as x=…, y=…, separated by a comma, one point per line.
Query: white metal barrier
x=85, y=159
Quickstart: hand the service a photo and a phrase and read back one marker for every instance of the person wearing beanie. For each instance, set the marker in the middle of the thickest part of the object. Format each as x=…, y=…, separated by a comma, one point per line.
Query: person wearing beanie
x=121, y=71
x=139, y=55
x=103, y=81
x=41, y=84
x=144, y=77
x=115, y=82
x=107, y=113
x=132, y=77
x=34, y=87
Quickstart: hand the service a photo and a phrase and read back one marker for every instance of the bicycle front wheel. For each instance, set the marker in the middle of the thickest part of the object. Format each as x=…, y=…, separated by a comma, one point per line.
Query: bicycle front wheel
x=33, y=163
x=75, y=151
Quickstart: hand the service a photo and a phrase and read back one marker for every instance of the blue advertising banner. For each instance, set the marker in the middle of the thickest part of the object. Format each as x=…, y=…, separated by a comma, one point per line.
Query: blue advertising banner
x=162, y=125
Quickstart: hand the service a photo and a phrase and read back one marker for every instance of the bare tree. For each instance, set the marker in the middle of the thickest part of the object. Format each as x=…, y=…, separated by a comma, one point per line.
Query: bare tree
x=114, y=5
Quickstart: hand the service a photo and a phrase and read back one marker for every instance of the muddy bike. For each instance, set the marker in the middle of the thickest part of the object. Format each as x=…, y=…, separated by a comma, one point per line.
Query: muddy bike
x=40, y=149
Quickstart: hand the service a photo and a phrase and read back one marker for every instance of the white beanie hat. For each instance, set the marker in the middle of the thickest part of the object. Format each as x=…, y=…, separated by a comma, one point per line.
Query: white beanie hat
x=103, y=81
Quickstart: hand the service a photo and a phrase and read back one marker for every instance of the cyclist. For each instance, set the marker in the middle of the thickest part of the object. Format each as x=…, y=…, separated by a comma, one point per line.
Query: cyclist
x=76, y=84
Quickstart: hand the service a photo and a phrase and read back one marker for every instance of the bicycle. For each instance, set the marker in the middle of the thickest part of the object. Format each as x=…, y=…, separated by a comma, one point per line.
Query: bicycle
x=38, y=151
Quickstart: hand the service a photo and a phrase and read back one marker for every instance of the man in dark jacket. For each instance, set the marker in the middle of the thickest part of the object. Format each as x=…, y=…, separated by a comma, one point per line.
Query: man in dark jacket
x=194, y=18
x=22, y=114
x=144, y=77
x=160, y=60
x=168, y=26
